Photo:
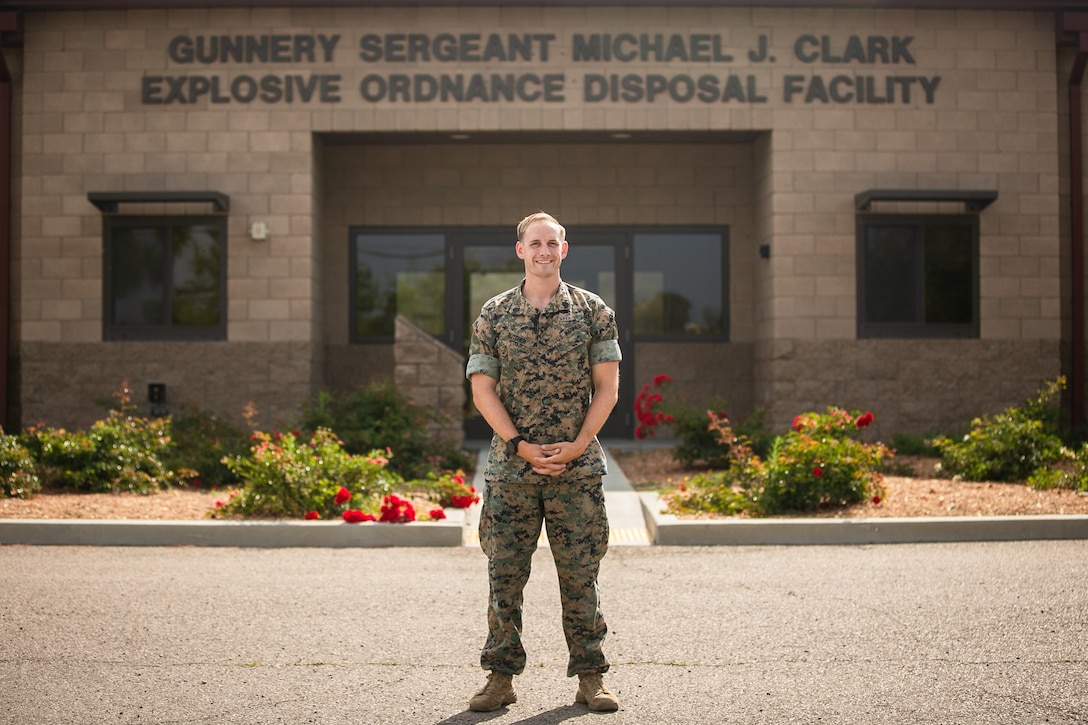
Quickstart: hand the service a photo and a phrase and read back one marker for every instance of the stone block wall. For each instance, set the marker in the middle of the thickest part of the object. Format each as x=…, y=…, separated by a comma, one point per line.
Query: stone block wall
x=433, y=377
x=64, y=384
x=916, y=387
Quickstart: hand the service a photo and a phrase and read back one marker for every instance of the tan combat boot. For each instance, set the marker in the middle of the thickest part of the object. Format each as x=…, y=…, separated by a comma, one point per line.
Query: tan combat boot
x=498, y=692
x=592, y=692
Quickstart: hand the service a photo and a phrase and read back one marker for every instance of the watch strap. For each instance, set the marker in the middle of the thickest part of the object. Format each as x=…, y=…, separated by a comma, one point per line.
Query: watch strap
x=514, y=443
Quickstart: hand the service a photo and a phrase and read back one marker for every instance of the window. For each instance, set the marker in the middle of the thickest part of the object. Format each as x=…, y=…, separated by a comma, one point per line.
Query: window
x=397, y=273
x=679, y=285
x=918, y=276
x=665, y=283
x=165, y=278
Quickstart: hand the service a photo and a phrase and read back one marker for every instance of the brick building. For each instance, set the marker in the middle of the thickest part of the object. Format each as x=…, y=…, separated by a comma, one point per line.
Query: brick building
x=789, y=204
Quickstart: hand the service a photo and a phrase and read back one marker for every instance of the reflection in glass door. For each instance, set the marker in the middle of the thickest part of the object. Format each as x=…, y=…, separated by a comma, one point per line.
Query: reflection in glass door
x=489, y=266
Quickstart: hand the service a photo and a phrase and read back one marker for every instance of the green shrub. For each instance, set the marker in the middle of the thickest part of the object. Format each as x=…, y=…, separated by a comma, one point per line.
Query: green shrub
x=698, y=444
x=1008, y=446
x=449, y=490
x=288, y=476
x=18, y=471
x=1073, y=476
x=735, y=488
x=913, y=445
x=379, y=416
x=121, y=452
x=821, y=464
x=200, y=442
x=818, y=464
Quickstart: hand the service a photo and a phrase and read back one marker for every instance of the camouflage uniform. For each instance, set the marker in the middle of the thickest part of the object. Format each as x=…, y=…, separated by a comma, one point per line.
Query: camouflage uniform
x=543, y=361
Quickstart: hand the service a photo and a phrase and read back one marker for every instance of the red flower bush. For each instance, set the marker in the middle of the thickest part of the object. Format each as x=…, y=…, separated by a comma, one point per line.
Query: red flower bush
x=465, y=500
x=452, y=490
x=342, y=496
x=820, y=463
x=647, y=400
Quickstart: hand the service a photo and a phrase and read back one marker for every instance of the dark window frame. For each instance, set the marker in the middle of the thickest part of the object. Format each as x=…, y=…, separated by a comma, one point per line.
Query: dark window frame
x=112, y=331
x=919, y=329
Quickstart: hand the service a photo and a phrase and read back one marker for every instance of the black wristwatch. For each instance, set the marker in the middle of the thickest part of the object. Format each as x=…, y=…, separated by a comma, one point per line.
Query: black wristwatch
x=514, y=443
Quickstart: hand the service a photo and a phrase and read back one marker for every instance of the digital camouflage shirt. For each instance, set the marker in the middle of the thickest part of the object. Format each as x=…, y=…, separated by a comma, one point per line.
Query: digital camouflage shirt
x=542, y=361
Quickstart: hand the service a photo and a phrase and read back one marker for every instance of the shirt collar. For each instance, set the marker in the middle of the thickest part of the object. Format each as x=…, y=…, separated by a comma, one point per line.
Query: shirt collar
x=560, y=301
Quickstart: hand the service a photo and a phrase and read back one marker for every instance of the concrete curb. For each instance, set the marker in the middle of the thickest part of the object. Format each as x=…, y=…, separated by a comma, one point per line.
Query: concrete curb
x=269, y=534
x=668, y=530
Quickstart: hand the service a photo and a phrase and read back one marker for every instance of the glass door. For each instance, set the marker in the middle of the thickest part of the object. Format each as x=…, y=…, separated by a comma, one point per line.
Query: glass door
x=484, y=264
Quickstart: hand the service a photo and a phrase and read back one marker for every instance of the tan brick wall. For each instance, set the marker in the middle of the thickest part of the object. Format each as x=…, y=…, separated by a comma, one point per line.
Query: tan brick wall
x=64, y=383
x=912, y=386
x=993, y=124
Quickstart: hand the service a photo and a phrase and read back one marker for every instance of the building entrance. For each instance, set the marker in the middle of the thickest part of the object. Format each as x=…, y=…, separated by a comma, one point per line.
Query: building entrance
x=484, y=264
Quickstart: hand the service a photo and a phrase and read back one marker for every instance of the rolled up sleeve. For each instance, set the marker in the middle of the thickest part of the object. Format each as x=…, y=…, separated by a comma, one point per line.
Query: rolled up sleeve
x=481, y=363
x=604, y=351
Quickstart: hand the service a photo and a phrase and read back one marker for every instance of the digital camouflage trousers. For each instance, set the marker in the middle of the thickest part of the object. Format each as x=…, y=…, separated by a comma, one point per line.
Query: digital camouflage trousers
x=577, y=528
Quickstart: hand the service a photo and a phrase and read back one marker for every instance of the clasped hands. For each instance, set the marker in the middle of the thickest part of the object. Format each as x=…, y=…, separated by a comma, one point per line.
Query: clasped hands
x=551, y=459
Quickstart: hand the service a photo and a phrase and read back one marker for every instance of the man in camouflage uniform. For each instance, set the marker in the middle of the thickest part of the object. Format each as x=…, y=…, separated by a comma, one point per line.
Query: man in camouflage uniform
x=544, y=367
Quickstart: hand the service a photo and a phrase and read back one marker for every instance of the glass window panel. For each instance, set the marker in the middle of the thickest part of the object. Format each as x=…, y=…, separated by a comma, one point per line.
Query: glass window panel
x=196, y=275
x=949, y=291
x=678, y=284
x=592, y=267
x=489, y=270
x=165, y=278
x=890, y=274
x=138, y=275
x=402, y=273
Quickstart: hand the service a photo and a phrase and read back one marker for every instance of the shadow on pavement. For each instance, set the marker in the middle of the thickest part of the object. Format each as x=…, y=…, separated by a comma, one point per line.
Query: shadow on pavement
x=551, y=717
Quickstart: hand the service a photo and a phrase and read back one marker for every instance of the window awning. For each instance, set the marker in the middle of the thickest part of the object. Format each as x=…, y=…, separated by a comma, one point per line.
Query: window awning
x=973, y=200
x=107, y=201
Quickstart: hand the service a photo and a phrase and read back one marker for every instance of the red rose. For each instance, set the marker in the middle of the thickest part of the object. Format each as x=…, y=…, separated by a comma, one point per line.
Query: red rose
x=661, y=379
x=640, y=433
x=355, y=516
x=863, y=421
x=817, y=471
x=876, y=500
x=342, y=496
x=396, y=510
x=311, y=515
x=459, y=479
x=798, y=422
x=437, y=514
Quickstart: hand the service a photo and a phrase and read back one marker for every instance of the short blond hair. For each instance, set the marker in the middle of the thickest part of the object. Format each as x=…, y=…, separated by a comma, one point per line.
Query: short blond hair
x=540, y=216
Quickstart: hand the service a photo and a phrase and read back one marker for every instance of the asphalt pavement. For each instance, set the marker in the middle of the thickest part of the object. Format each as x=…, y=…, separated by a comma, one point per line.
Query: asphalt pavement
x=986, y=632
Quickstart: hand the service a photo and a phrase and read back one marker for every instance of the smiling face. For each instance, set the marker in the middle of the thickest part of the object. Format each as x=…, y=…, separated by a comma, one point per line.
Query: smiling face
x=543, y=248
